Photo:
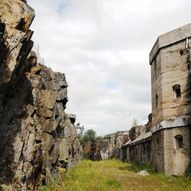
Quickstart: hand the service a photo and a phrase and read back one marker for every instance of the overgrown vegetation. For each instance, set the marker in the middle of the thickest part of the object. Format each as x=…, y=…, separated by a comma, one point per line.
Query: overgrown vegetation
x=89, y=141
x=89, y=136
x=136, y=167
x=113, y=175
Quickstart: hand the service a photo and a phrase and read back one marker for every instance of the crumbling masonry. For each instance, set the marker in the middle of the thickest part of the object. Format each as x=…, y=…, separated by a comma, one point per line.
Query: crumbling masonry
x=165, y=140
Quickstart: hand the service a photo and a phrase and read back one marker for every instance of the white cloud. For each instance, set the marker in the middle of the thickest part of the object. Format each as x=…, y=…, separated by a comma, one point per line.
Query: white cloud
x=103, y=47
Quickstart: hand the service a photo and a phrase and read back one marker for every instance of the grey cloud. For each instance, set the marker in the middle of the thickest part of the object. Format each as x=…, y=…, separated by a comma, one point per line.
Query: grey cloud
x=103, y=46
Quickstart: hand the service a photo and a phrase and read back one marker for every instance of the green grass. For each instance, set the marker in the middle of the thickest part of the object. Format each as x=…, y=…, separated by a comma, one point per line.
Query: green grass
x=113, y=175
x=136, y=167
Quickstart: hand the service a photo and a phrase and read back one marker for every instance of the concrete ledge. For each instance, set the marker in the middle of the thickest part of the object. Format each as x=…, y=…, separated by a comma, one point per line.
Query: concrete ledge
x=172, y=123
x=144, y=137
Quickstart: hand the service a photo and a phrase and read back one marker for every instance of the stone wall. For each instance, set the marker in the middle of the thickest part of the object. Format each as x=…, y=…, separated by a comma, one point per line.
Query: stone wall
x=138, y=152
x=167, y=155
x=177, y=157
x=138, y=148
x=111, y=144
x=158, y=151
x=108, y=147
x=37, y=136
x=171, y=95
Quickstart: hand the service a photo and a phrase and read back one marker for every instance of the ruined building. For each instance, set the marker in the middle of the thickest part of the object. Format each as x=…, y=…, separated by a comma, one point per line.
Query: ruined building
x=170, y=60
x=37, y=137
x=111, y=144
x=165, y=140
x=107, y=147
x=139, y=147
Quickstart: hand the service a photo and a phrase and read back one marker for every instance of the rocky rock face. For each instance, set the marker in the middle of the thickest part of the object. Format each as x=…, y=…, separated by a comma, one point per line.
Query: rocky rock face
x=37, y=136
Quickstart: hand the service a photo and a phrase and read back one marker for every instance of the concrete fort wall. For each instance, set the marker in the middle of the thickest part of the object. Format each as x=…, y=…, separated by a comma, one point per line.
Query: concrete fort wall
x=168, y=147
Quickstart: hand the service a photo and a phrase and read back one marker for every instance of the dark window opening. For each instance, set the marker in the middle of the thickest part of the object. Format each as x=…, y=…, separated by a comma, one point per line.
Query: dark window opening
x=156, y=100
x=38, y=141
x=177, y=90
x=181, y=52
x=2, y=28
x=154, y=63
x=179, y=141
x=158, y=141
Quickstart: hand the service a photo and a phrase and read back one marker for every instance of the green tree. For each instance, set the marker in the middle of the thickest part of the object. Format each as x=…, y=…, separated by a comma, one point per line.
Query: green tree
x=89, y=135
x=99, y=138
x=135, y=122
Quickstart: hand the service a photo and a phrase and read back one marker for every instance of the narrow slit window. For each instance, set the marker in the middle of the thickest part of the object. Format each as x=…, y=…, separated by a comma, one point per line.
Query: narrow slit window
x=155, y=65
x=156, y=100
x=179, y=141
x=155, y=68
x=177, y=90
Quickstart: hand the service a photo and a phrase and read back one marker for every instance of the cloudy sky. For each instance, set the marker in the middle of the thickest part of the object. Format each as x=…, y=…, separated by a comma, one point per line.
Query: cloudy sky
x=103, y=48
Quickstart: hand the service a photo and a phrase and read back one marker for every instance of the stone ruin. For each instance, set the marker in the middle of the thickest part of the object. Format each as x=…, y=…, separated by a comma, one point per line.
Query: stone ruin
x=109, y=146
x=165, y=140
x=37, y=137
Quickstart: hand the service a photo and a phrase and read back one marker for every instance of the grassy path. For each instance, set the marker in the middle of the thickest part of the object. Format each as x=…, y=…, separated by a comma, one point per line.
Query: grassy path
x=114, y=175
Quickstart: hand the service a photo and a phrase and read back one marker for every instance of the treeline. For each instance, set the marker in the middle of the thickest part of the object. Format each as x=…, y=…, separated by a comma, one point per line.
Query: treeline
x=89, y=136
x=89, y=141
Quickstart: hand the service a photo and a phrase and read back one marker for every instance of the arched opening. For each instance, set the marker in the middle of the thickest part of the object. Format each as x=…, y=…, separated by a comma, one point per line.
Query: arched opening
x=177, y=90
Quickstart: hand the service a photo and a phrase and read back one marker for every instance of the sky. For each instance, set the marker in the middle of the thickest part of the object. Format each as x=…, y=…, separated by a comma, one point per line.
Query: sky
x=103, y=48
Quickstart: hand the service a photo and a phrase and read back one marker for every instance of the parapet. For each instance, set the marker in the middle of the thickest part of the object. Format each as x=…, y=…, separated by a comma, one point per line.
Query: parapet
x=170, y=38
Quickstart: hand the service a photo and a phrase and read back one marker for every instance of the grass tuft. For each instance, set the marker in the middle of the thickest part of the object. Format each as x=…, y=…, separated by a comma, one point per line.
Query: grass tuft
x=113, y=183
x=136, y=167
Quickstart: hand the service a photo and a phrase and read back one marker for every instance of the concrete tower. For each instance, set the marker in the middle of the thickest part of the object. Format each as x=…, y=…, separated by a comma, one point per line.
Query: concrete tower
x=170, y=60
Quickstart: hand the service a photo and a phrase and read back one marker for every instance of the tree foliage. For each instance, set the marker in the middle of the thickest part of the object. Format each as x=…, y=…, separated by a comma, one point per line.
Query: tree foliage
x=135, y=122
x=89, y=135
